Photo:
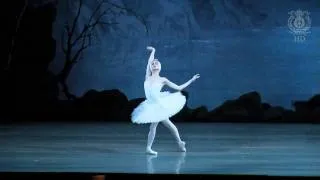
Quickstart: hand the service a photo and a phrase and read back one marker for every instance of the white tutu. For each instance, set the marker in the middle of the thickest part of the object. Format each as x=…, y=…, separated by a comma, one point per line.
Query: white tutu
x=165, y=106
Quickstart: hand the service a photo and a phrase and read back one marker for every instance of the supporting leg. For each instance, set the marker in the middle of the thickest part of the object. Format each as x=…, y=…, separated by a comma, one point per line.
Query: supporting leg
x=151, y=136
x=173, y=129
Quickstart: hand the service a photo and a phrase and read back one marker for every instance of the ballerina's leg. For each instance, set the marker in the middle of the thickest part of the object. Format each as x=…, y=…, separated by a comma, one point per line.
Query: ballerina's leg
x=151, y=136
x=174, y=130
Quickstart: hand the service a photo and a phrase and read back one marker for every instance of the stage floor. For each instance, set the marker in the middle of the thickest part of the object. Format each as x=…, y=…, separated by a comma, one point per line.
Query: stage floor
x=217, y=148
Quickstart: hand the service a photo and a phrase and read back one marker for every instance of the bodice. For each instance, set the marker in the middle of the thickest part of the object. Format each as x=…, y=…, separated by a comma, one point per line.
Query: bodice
x=152, y=89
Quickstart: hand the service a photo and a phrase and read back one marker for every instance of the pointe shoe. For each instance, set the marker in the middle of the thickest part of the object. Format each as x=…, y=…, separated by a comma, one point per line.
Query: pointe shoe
x=150, y=151
x=182, y=146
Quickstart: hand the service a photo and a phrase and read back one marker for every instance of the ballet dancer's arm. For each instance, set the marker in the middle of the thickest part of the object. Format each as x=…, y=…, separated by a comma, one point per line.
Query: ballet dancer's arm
x=180, y=87
x=151, y=58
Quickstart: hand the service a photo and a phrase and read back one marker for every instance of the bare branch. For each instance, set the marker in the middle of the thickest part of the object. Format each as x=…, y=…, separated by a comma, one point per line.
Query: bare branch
x=95, y=11
x=86, y=42
x=75, y=21
x=89, y=26
x=79, y=51
x=140, y=18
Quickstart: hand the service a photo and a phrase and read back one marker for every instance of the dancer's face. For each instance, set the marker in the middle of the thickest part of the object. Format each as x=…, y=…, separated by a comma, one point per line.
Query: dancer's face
x=155, y=65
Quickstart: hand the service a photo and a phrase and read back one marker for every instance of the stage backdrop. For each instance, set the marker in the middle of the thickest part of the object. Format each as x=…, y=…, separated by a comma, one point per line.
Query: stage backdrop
x=236, y=46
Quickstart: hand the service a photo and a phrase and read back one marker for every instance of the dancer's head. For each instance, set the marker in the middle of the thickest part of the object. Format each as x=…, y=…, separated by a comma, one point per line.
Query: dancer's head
x=155, y=66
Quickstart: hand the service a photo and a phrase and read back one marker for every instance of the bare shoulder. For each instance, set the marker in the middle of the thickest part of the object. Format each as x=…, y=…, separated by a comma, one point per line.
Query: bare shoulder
x=163, y=79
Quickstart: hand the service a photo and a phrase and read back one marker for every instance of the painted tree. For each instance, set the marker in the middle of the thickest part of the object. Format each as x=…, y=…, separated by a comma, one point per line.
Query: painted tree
x=75, y=43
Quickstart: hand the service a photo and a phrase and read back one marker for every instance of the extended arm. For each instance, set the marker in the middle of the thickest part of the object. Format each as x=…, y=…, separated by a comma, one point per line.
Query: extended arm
x=151, y=58
x=182, y=86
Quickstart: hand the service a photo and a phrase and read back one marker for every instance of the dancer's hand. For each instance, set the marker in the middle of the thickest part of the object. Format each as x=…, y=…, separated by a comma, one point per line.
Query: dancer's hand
x=195, y=77
x=150, y=48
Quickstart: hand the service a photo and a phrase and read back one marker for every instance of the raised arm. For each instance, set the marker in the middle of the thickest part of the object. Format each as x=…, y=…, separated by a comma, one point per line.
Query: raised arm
x=182, y=86
x=151, y=58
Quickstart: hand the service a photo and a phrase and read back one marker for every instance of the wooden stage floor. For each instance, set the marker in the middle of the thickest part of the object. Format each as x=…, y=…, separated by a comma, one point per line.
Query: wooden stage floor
x=215, y=148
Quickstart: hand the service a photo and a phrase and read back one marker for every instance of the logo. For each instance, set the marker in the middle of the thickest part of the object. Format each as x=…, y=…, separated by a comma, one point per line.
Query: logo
x=299, y=24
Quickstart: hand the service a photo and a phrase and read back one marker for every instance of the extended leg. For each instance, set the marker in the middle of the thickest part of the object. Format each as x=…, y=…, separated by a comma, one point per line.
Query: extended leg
x=173, y=129
x=151, y=136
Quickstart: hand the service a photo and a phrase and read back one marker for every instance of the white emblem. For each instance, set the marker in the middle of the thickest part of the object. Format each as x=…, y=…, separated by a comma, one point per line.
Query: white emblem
x=299, y=24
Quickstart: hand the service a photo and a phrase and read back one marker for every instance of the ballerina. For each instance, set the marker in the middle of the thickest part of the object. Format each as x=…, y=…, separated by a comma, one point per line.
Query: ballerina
x=160, y=106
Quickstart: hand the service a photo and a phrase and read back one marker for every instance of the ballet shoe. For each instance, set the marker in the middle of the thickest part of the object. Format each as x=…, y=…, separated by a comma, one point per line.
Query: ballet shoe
x=182, y=146
x=150, y=151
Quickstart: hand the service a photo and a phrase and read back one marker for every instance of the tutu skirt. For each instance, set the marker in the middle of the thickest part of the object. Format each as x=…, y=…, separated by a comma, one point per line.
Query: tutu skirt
x=150, y=111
